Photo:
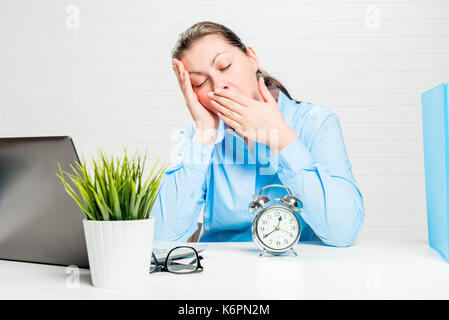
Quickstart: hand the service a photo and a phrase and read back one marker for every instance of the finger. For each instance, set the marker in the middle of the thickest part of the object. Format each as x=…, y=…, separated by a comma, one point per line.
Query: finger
x=181, y=72
x=187, y=80
x=182, y=80
x=229, y=104
x=178, y=77
x=188, y=85
x=230, y=122
x=226, y=111
x=175, y=68
x=237, y=97
x=264, y=91
x=180, y=69
x=184, y=76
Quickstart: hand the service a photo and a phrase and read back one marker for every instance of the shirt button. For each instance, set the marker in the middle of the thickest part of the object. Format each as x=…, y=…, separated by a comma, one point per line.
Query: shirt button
x=280, y=167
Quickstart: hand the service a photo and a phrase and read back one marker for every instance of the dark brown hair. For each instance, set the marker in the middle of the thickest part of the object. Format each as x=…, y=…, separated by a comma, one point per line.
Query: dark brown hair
x=204, y=28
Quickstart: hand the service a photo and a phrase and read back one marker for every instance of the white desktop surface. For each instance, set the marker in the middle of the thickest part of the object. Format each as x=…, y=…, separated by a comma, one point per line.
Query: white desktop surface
x=375, y=267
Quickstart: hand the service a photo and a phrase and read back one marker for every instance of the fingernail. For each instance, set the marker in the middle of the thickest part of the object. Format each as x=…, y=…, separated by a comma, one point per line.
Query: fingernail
x=210, y=94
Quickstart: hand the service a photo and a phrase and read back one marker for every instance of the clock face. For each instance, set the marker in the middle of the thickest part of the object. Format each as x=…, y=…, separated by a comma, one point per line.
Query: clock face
x=277, y=228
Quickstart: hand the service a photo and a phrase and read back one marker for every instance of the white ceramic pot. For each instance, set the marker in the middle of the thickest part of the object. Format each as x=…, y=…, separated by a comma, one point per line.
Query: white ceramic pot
x=119, y=252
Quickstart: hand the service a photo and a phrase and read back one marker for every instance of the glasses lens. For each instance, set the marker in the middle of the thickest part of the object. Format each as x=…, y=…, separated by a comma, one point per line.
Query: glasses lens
x=182, y=260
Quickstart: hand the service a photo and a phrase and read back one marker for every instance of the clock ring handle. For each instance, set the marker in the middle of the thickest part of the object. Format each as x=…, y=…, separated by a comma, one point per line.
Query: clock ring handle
x=275, y=185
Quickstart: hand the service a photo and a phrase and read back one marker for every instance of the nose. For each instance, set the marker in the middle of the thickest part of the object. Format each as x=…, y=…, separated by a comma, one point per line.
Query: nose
x=220, y=82
x=221, y=87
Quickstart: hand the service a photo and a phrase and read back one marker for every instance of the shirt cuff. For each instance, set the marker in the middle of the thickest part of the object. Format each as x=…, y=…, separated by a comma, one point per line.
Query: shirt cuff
x=293, y=158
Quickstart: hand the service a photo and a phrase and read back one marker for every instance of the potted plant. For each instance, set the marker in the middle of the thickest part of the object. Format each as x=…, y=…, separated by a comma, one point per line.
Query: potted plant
x=118, y=227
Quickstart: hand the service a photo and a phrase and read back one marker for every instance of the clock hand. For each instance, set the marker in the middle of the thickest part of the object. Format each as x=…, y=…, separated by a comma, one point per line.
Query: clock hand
x=266, y=235
x=285, y=231
x=275, y=229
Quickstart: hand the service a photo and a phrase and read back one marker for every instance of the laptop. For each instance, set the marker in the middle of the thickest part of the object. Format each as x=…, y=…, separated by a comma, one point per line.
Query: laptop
x=39, y=221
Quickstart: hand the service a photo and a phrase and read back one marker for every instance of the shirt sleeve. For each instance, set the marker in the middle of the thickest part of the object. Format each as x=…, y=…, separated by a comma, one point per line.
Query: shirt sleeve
x=322, y=179
x=182, y=190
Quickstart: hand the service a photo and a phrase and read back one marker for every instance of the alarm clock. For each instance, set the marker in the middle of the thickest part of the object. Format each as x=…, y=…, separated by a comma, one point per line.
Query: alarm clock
x=275, y=228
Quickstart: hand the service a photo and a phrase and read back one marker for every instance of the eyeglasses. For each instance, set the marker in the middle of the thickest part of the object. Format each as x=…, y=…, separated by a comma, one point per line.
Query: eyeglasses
x=182, y=259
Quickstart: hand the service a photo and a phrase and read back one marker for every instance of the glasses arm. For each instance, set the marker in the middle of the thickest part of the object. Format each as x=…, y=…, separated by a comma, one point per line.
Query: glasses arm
x=157, y=265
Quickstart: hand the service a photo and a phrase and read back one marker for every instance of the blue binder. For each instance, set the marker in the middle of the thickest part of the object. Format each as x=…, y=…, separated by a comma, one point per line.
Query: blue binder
x=435, y=119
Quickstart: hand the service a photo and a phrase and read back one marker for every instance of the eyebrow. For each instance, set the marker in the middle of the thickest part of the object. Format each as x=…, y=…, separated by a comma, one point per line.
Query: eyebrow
x=211, y=64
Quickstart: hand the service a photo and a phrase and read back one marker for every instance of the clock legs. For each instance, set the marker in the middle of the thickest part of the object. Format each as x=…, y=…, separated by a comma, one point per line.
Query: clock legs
x=293, y=251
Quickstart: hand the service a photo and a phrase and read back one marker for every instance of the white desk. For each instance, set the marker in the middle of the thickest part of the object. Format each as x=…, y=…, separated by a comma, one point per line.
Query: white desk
x=399, y=267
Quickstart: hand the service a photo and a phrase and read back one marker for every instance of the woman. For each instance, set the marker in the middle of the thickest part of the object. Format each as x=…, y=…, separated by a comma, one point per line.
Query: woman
x=247, y=132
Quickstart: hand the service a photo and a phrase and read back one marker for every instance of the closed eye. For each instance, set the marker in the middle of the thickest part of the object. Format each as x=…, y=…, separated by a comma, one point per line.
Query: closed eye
x=198, y=86
x=226, y=67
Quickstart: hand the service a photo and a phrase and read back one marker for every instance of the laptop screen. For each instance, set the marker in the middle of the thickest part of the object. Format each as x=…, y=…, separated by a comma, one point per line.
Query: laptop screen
x=39, y=222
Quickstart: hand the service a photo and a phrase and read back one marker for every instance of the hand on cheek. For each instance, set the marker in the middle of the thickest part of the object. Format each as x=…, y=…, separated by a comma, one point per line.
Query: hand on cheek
x=252, y=118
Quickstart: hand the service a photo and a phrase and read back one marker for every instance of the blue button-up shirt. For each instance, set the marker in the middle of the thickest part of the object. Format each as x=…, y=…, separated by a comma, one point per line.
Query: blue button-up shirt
x=225, y=175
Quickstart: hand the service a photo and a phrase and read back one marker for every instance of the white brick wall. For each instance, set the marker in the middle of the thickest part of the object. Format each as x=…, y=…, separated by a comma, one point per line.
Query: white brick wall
x=110, y=83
